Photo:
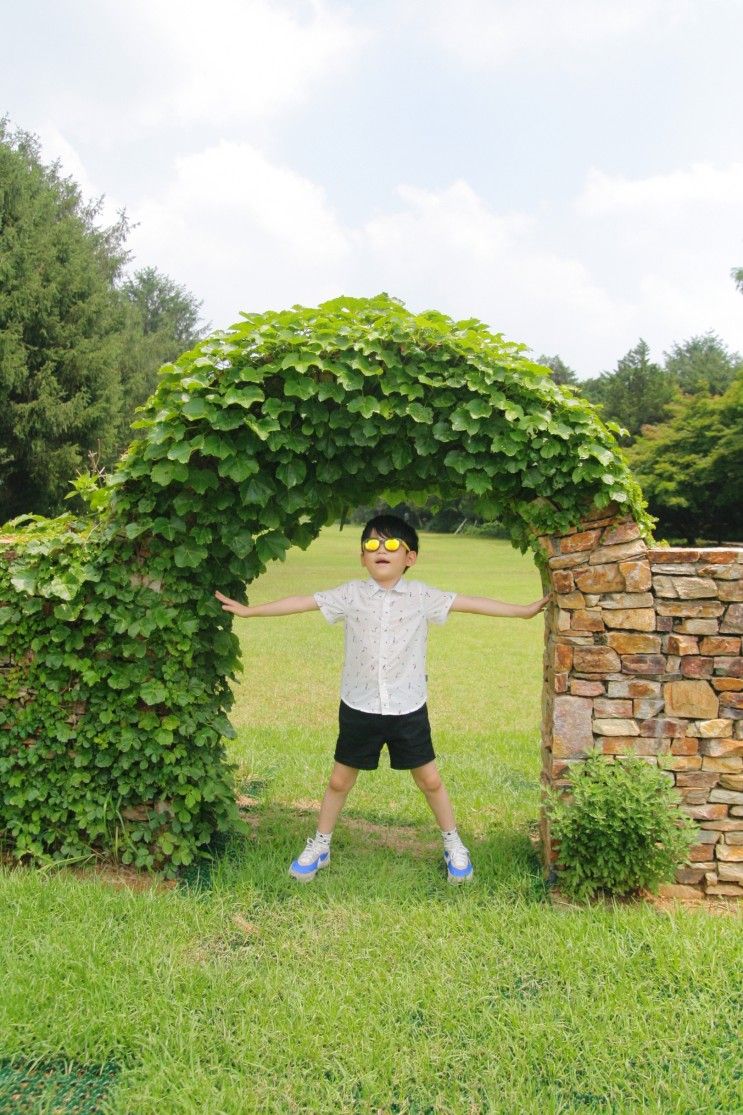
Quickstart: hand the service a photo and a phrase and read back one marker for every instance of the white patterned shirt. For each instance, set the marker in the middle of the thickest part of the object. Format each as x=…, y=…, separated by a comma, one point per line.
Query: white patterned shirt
x=384, y=669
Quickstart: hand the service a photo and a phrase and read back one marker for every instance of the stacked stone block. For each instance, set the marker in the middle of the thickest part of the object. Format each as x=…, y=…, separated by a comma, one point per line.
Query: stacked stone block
x=643, y=655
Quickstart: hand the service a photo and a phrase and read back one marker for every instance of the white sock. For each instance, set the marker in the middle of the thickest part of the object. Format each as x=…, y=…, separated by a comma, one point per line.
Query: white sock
x=449, y=836
x=323, y=837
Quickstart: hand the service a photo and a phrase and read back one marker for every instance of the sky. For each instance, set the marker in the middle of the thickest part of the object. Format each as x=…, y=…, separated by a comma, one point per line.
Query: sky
x=571, y=174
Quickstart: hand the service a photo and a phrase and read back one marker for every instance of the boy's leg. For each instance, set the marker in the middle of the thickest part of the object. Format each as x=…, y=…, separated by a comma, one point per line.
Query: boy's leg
x=341, y=783
x=428, y=779
x=456, y=856
x=317, y=850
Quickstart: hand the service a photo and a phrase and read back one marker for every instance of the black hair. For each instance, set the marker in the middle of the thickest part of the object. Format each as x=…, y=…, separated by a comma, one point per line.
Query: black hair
x=391, y=526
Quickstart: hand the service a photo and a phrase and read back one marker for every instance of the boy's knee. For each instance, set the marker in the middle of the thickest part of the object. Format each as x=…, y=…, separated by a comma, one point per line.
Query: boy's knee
x=428, y=780
x=342, y=780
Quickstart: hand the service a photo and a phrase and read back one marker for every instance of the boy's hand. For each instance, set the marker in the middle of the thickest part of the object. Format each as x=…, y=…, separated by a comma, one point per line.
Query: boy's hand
x=233, y=606
x=536, y=607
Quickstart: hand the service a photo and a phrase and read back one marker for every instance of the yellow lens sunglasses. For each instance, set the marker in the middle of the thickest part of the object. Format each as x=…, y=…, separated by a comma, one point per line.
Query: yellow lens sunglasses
x=371, y=545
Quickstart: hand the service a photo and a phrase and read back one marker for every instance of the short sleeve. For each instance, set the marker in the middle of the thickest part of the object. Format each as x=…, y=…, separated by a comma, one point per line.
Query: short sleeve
x=435, y=603
x=333, y=603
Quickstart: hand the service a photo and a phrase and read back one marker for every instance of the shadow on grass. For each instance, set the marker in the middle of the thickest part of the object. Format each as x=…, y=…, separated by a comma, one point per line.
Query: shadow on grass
x=370, y=859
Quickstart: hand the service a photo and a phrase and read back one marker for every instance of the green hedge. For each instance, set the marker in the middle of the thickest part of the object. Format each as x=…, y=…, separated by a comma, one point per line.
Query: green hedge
x=115, y=656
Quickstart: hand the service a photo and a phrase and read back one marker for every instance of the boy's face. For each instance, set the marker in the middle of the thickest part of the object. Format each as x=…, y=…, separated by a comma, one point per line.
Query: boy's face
x=385, y=567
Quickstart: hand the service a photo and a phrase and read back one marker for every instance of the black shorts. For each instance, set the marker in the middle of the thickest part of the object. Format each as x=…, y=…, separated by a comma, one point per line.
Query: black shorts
x=362, y=735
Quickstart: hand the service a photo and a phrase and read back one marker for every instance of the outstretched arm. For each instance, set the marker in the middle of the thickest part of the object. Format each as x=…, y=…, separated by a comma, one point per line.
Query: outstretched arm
x=287, y=606
x=485, y=606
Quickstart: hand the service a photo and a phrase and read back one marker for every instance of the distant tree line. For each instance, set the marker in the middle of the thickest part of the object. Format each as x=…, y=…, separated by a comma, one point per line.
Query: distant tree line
x=82, y=339
x=684, y=433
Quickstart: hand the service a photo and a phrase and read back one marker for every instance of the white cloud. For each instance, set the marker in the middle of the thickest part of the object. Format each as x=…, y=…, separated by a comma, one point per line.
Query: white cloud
x=246, y=233
x=487, y=32
x=446, y=248
x=243, y=231
x=242, y=59
x=109, y=73
x=239, y=182
x=675, y=238
x=664, y=194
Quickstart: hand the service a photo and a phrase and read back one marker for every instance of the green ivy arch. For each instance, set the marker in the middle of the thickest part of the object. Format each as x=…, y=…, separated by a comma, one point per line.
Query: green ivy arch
x=118, y=657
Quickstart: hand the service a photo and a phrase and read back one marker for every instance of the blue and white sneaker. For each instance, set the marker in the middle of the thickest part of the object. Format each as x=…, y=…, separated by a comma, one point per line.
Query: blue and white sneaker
x=458, y=864
x=308, y=863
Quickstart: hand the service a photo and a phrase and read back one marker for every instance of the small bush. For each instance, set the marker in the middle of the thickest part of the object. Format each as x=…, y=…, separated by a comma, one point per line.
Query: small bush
x=622, y=830
x=487, y=530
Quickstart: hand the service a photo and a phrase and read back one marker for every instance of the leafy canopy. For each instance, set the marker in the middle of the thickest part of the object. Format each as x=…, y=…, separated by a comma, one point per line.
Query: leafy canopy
x=311, y=411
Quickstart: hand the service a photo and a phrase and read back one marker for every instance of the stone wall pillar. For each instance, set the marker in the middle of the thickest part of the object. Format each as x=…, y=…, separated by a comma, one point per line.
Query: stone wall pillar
x=643, y=654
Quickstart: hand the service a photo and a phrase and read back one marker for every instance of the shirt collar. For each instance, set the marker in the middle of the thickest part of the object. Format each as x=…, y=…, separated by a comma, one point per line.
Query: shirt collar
x=401, y=586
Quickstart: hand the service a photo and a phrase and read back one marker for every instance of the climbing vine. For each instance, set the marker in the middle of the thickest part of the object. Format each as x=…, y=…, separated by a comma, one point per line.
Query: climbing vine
x=115, y=658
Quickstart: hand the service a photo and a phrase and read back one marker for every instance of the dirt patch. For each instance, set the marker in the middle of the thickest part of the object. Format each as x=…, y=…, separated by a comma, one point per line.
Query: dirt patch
x=395, y=837
x=246, y=806
x=122, y=876
x=244, y=801
x=305, y=805
x=664, y=904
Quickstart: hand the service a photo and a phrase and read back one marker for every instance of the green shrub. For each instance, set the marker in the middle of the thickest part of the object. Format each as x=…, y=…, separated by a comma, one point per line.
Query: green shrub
x=621, y=831
x=486, y=530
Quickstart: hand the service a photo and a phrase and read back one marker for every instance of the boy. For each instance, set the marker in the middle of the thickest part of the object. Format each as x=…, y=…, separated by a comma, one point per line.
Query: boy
x=383, y=689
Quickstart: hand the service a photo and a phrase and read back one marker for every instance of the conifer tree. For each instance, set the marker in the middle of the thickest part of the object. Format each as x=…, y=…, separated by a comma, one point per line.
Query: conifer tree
x=61, y=324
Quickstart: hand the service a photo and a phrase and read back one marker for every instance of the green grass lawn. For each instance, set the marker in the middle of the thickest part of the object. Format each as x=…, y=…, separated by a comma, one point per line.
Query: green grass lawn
x=377, y=988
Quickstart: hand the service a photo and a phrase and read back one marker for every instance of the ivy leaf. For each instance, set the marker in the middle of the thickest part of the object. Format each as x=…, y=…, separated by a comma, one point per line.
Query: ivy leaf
x=274, y=408
x=181, y=451
x=189, y=555
x=299, y=387
x=24, y=581
x=272, y=545
x=241, y=543
x=256, y=490
x=202, y=480
x=349, y=378
x=63, y=587
x=292, y=473
x=478, y=408
x=328, y=389
x=166, y=471
x=223, y=726
x=262, y=427
x=242, y=396
x=462, y=421
x=364, y=404
x=442, y=431
x=196, y=407
x=458, y=460
x=238, y=468
x=134, y=529
x=215, y=446
x=477, y=482
x=227, y=419
x=153, y=692
x=401, y=454
x=420, y=413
